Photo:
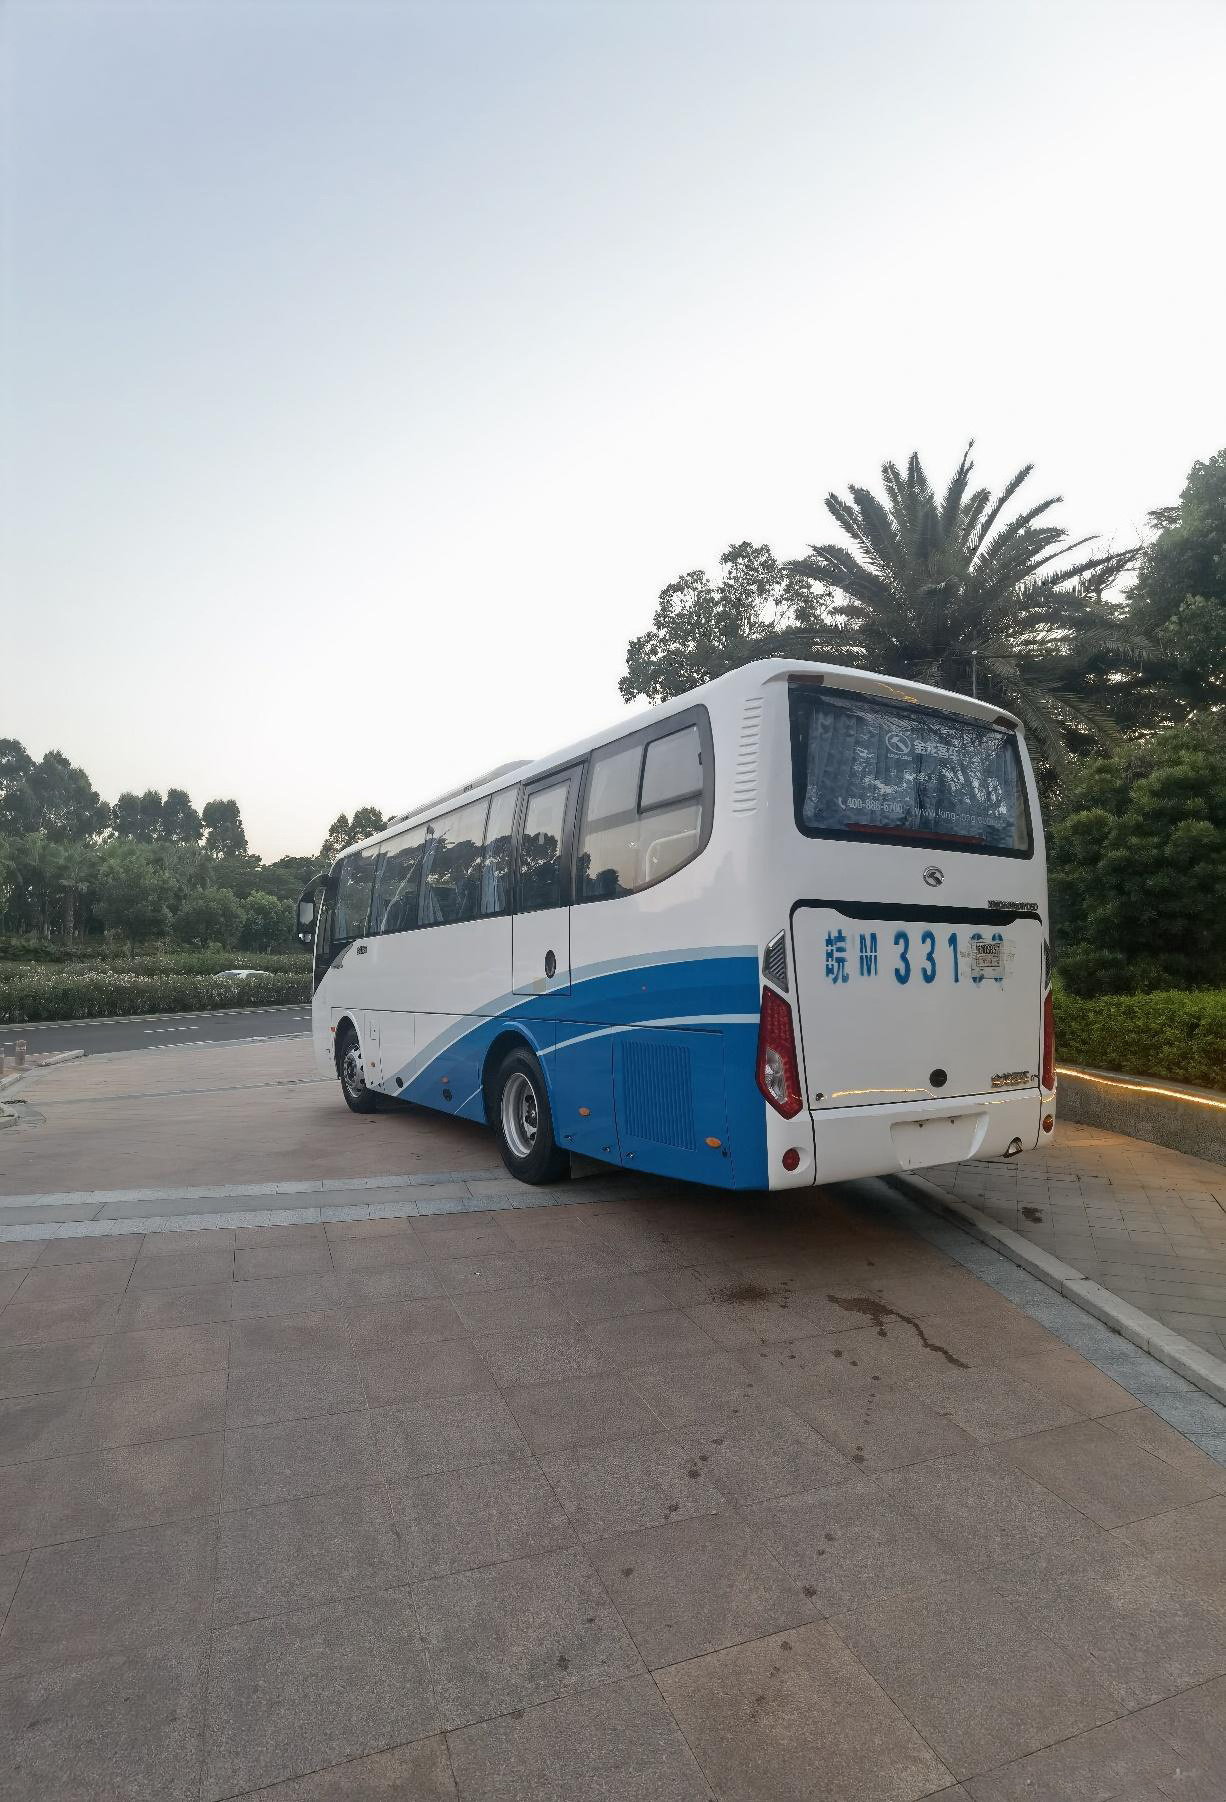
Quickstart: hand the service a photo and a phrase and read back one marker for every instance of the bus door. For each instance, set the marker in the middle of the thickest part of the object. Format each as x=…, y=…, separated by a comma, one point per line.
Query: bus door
x=540, y=931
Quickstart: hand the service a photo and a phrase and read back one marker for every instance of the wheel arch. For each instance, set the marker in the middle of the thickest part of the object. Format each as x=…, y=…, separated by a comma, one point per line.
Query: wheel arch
x=511, y=1038
x=338, y=1033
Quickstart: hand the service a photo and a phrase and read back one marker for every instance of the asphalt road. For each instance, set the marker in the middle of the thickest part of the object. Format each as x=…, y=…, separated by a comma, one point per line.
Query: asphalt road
x=153, y=1032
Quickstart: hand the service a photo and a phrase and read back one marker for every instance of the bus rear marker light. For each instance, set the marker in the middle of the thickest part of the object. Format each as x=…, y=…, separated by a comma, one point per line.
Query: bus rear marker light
x=714, y=1144
x=584, y=1112
x=791, y=1158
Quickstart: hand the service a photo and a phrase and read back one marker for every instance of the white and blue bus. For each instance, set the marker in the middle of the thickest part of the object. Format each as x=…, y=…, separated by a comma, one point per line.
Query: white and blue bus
x=789, y=928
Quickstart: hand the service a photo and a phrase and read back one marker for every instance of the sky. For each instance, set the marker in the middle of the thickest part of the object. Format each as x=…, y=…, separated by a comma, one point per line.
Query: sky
x=366, y=370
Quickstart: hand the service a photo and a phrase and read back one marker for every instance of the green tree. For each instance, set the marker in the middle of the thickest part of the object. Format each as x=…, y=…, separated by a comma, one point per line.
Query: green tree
x=945, y=590
x=180, y=824
x=75, y=880
x=126, y=816
x=1179, y=600
x=52, y=796
x=701, y=629
x=223, y=829
x=212, y=916
x=1138, y=865
x=18, y=807
x=267, y=922
x=344, y=832
x=288, y=876
x=135, y=892
x=949, y=590
x=138, y=817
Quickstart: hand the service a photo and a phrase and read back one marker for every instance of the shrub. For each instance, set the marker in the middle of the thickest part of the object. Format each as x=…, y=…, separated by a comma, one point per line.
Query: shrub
x=1178, y=1034
x=62, y=993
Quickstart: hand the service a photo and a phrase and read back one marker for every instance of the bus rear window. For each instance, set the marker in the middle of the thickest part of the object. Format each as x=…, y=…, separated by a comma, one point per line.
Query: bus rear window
x=899, y=774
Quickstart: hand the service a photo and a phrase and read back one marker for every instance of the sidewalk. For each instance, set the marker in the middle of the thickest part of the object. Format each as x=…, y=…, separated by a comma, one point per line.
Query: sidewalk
x=1147, y=1223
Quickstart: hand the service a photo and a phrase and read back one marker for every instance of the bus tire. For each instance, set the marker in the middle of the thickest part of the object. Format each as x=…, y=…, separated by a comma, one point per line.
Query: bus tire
x=358, y=1098
x=524, y=1122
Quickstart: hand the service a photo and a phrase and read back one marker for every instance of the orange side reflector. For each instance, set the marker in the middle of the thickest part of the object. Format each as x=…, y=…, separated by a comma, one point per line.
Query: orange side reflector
x=714, y=1144
x=585, y=1111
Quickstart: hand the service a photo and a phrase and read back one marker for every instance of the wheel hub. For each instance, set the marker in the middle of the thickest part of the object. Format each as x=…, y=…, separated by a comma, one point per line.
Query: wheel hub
x=352, y=1074
x=520, y=1114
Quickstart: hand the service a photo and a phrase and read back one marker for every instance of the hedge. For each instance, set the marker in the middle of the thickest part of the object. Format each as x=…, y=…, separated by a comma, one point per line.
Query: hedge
x=1179, y=1034
x=57, y=992
x=15, y=954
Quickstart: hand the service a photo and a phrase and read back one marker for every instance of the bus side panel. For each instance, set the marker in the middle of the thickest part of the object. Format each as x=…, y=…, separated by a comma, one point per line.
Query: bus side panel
x=581, y=1081
x=746, y=1107
x=668, y=1088
x=453, y=1072
x=450, y=1055
x=672, y=997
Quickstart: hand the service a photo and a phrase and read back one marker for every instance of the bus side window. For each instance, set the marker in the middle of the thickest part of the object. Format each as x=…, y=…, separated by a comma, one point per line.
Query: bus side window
x=325, y=938
x=671, y=803
x=609, y=855
x=643, y=817
x=394, y=908
x=450, y=887
x=540, y=848
x=353, y=890
x=672, y=769
x=496, y=854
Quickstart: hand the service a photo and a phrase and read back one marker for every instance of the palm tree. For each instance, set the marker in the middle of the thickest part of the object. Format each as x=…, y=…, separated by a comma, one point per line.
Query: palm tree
x=947, y=591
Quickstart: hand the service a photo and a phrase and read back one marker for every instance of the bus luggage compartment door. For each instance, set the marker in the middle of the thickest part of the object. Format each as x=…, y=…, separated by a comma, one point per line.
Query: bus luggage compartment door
x=669, y=1100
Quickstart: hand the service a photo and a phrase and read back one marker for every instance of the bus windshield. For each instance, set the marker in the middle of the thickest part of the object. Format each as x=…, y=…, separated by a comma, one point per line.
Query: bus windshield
x=864, y=768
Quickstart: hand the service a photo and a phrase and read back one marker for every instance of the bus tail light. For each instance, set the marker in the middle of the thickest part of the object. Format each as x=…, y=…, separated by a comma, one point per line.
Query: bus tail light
x=778, y=1070
x=1048, y=1073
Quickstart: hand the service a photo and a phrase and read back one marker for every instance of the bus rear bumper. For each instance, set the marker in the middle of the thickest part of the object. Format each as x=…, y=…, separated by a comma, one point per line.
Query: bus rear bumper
x=884, y=1139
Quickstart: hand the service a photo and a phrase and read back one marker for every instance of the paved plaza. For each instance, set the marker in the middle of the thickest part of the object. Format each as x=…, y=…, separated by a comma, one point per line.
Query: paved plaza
x=621, y=1492
x=672, y=1496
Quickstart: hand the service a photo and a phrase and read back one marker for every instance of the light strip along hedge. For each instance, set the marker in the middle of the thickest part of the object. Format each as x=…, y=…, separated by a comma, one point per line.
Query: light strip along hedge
x=1178, y=1034
x=62, y=993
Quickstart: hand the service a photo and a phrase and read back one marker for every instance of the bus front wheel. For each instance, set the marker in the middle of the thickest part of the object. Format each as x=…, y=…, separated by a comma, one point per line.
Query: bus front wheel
x=524, y=1123
x=352, y=1074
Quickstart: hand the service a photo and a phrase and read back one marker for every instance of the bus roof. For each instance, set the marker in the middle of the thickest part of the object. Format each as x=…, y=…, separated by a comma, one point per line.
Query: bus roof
x=748, y=676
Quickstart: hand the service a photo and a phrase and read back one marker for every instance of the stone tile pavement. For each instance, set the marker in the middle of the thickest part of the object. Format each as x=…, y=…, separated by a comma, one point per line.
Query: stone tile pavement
x=669, y=1497
x=1147, y=1223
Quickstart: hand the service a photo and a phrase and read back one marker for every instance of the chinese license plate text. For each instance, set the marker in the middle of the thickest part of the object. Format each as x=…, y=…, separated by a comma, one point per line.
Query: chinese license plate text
x=905, y=955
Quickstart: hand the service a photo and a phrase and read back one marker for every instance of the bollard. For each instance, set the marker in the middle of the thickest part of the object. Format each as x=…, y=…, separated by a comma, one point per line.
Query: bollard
x=20, y=1058
x=1, y=1060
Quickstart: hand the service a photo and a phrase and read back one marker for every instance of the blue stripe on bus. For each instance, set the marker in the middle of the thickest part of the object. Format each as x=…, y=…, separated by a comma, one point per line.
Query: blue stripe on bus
x=573, y=1035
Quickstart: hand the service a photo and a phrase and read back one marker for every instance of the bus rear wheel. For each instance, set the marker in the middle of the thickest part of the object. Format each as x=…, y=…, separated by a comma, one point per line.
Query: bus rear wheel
x=524, y=1123
x=352, y=1074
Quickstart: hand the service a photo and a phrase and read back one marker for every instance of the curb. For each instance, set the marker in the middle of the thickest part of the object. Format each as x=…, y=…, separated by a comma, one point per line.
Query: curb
x=46, y=1061
x=1161, y=1342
